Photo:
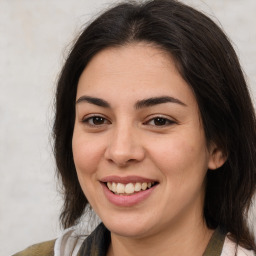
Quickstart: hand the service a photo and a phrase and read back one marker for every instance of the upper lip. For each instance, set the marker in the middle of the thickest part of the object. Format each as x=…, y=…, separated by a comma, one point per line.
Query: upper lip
x=126, y=180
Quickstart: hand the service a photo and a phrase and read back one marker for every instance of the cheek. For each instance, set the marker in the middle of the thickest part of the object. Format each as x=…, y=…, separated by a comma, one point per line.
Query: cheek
x=86, y=152
x=180, y=158
x=182, y=164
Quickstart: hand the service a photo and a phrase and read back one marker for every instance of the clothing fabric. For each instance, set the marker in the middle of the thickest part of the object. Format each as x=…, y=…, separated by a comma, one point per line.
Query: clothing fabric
x=97, y=243
x=42, y=249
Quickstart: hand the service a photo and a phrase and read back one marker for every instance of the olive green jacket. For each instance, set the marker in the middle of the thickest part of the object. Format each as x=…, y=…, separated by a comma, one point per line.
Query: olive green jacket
x=42, y=249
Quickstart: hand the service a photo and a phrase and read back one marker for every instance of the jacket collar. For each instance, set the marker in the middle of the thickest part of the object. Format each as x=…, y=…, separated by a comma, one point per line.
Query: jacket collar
x=97, y=243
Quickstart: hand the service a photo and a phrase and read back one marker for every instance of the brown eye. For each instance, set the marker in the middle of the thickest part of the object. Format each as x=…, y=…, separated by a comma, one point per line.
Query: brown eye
x=159, y=121
x=98, y=120
x=95, y=121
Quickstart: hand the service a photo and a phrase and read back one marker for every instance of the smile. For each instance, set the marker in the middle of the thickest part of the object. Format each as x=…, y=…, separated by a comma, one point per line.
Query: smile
x=130, y=188
x=127, y=191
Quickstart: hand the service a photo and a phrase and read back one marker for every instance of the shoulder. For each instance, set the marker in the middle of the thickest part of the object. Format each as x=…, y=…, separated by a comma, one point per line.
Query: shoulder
x=229, y=249
x=41, y=249
x=67, y=244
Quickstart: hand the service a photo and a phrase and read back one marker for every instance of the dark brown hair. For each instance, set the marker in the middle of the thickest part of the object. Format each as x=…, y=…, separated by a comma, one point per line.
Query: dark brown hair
x=208, y=63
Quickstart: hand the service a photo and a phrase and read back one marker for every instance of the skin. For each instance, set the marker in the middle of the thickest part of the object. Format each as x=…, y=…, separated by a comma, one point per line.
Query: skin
x=126, y=141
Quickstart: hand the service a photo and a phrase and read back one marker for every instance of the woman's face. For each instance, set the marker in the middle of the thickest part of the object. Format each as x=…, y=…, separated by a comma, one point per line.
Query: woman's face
x=138, y=131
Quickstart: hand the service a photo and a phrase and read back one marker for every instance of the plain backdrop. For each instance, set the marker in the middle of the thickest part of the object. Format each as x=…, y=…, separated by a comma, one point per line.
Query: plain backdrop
x=34, y=39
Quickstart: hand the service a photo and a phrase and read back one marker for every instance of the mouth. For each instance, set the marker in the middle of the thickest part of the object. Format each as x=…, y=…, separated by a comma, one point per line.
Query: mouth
x=128, y=189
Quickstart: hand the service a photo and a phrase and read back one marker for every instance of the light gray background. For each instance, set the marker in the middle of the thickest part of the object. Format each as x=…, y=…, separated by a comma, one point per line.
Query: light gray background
x=34, y=39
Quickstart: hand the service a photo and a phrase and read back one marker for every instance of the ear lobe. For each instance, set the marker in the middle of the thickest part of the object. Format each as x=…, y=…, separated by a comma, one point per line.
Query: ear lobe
x=217, y=158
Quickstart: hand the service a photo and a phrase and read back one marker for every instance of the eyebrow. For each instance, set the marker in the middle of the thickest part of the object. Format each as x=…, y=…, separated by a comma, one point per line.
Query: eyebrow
x=138, y=105
x=96, y=101
x=157, y=100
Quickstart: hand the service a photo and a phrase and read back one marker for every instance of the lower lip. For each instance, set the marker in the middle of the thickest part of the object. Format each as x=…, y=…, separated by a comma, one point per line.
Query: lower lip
x=125, y=201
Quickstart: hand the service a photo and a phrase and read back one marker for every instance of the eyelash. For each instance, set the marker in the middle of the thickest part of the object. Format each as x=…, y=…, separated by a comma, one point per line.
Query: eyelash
x=167, y=122
x=94, y=118
x=163, y=121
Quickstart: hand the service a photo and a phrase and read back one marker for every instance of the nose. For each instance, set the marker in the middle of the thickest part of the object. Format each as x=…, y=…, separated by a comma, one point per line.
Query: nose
x=124, y=147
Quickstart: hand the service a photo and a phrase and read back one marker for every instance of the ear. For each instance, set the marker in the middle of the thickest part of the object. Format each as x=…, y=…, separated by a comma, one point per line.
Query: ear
x=216, y=157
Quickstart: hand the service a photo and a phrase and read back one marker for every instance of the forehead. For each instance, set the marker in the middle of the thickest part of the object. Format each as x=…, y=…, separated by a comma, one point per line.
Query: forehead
x=134, y=70
x=125, y=60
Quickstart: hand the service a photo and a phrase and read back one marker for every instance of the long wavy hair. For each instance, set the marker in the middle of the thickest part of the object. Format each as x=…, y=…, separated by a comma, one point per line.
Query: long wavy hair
x=208, y=63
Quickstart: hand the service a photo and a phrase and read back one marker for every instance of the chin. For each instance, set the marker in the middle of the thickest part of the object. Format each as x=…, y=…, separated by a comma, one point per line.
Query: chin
x=127, y=230
x=127, y=226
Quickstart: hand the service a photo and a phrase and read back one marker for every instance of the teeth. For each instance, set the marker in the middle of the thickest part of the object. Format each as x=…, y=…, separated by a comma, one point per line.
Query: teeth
x=137, y=187
x=113, y=187
x=109, y=184
x=130, y=188
x=144, y=185
x=120, y=188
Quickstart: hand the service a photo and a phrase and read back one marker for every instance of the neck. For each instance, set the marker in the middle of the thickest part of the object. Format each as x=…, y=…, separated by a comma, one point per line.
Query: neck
x=190, y=240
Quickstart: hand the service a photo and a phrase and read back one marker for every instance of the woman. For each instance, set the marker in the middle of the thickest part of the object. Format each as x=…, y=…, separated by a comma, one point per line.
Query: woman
x=155, y=129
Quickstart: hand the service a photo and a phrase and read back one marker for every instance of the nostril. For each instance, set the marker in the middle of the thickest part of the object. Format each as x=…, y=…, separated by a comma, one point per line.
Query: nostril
x=123, y=163
x=123, y=152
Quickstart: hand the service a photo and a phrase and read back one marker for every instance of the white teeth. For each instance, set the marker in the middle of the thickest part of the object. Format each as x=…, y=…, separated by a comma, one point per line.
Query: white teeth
x=137, y=187
x=130, y=188
x=120, y=188
x=113, y=187
x=144, y=185
x=109, y=184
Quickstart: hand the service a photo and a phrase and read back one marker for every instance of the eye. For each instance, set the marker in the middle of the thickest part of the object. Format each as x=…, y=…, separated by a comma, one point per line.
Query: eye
x=95, y=121
x=159, y=121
